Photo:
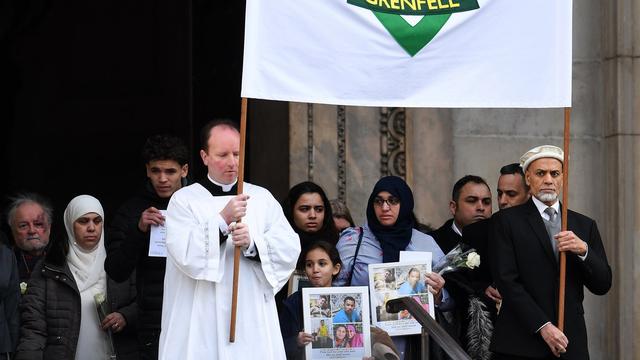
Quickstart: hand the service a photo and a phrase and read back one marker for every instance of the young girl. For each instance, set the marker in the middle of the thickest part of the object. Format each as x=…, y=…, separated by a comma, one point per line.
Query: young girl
x=309, y=213
x=322, y=265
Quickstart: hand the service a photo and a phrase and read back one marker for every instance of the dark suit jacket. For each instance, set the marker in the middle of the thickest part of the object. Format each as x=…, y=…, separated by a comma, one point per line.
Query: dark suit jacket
x=460, y=284
x=446, y=238
x=476, y=235
x=527, y=275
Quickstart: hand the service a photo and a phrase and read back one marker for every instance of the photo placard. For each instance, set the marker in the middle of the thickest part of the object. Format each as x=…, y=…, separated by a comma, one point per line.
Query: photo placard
x=338, y=319
x=389, y=281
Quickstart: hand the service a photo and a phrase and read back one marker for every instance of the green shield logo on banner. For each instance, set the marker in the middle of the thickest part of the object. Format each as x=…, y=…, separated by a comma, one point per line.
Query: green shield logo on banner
x=413, y=38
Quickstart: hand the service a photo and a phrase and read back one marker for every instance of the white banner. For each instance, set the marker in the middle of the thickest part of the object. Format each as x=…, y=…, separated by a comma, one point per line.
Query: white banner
x=410, y=53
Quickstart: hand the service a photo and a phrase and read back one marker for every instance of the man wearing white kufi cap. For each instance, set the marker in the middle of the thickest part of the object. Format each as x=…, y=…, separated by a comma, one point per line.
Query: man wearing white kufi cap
x=526, y=242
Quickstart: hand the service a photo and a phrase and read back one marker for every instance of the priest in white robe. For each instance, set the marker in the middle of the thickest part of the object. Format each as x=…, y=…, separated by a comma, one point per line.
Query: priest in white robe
x=201, y=235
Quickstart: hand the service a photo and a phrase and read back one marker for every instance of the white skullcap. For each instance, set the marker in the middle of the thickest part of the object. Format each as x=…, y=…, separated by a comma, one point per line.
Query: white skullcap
x=539, y=152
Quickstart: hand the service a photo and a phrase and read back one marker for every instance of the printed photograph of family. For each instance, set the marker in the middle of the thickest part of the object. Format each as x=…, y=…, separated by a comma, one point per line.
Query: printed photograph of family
x=336, y=320
x=397, y=281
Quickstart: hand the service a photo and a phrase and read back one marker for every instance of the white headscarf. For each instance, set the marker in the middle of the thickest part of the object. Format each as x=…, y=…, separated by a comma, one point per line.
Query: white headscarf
x=87, y=266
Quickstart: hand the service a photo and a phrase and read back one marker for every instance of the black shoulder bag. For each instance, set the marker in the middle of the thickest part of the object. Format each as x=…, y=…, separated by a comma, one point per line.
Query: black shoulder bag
x=355, y=256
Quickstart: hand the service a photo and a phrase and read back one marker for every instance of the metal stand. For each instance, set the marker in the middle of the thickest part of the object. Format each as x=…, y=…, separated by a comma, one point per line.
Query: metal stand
x=425, y=344
x=429, y=328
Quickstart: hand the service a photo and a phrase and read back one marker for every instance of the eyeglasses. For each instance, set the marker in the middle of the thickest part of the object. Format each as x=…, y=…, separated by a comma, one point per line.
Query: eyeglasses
x=391, y=201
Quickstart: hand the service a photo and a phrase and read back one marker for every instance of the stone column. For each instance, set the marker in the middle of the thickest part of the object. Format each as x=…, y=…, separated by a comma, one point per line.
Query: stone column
x=338, y=148
x=430, y=144
x=621, y=47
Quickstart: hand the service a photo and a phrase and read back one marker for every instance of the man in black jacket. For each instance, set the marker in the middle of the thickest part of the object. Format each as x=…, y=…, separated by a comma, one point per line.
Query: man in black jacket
x=470, y=202
x=526, y=242
x=511, y=191
x=30, y=217
x=512, y=188
x=128, y=235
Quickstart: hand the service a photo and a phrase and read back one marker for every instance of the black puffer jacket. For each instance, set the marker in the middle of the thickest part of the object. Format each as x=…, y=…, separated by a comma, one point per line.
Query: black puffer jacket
x=51, y=312
x=9, y=299
x=128, y=249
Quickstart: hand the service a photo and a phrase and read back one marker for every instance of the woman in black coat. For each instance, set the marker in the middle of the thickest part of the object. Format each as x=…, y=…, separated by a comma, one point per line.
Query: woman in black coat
x=59, y=316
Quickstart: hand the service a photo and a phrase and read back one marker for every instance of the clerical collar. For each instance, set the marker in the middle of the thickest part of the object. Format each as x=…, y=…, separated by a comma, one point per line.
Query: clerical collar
x=217, y=189
x=225, y=187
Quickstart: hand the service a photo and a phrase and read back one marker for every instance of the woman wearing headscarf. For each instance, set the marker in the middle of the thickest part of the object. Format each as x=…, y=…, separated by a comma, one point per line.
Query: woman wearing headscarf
x=355, y=338
x=59, y=316
x=389, y=230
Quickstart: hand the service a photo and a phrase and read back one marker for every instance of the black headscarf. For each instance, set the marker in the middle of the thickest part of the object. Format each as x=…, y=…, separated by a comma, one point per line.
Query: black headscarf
x=394, y=238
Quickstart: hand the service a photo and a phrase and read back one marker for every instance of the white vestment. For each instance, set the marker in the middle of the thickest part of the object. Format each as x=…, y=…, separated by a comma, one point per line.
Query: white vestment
x=199, y=275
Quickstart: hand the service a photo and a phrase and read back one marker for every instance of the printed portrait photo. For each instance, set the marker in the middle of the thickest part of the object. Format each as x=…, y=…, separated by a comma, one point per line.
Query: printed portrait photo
x=346, y=308
x=411, y=280
x=384, y=280
x=340, y=324
x=321, y=330
x=320, y=306
x=355, y=337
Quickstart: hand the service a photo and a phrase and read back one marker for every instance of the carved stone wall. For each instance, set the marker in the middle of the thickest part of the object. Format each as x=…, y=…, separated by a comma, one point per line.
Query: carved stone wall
x=392, y=142
x=347, y=149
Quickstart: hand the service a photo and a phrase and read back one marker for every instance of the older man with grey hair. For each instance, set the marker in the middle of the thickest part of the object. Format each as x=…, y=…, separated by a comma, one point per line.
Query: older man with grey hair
x=527, y=240
x=29, y=216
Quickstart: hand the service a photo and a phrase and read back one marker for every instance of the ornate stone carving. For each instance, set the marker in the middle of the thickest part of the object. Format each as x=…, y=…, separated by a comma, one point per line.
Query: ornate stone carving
x=310, y=141
x=392, y=142
x=342, y=163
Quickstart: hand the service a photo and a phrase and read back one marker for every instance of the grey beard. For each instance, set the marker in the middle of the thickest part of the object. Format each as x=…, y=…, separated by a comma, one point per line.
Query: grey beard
x=34, y=243
x=547, y=197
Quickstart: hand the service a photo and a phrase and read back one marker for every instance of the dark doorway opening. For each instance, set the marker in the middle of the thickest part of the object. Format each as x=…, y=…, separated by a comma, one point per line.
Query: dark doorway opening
x=85, y=83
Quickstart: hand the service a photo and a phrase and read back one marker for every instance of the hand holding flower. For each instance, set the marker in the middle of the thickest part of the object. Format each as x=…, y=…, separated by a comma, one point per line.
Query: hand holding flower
x=435, y=282
x=115, y=321
x=104, y=312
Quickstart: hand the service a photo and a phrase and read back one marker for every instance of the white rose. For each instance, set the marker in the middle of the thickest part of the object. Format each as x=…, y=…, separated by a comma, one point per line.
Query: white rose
x=473, y=260
x=23, y=288
x=99, y=298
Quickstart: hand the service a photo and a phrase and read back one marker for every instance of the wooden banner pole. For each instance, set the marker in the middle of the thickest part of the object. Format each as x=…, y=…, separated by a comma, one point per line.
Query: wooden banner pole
x=565, y=206
x=236, y=253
